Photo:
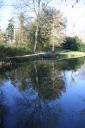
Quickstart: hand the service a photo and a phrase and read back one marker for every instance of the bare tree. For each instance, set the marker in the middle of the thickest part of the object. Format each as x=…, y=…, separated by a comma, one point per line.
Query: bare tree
x=36, y=7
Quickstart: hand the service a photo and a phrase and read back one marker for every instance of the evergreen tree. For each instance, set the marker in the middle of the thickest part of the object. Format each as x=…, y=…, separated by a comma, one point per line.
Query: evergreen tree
x=10, y=30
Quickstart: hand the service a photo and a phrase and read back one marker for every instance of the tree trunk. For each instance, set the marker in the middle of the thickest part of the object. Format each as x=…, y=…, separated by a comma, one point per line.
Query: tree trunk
x=36, y=37
x=37, y=27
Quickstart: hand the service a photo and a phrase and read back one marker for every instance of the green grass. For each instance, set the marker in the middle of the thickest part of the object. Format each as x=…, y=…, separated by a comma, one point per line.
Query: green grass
x=12, y=51
x=59, y=53
x=65, y=54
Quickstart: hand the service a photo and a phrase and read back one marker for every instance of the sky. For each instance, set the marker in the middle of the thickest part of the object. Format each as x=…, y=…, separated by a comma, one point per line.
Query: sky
x=5, y=13
x=75, y=16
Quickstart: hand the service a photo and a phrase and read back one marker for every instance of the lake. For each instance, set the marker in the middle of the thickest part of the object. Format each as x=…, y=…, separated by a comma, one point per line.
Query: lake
x=43, y=94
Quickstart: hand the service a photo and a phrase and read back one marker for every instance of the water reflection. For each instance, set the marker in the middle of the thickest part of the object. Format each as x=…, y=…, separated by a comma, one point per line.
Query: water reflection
x=39, y=94
x=2, y=109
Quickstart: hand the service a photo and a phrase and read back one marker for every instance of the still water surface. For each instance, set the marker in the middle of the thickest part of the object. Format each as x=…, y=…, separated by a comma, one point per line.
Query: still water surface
x=43, y=94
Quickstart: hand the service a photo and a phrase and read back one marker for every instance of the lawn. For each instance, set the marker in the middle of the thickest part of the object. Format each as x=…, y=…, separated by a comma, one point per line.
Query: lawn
x=69, y=54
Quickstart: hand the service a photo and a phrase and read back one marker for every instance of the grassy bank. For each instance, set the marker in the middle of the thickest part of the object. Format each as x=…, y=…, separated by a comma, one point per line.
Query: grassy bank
x=59, y=54
x=69, y=54
x=12, y=51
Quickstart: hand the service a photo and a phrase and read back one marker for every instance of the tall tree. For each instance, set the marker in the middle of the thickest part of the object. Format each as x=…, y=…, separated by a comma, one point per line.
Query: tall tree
x=10, y=30
x=50, y=26
x=36, y=6
x=21, y=35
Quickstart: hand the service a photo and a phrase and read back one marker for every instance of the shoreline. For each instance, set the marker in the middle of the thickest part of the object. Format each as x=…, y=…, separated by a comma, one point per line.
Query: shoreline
x=59, y=56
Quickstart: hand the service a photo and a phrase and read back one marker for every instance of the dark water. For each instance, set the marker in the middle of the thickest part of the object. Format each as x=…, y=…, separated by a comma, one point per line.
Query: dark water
x=43, y=94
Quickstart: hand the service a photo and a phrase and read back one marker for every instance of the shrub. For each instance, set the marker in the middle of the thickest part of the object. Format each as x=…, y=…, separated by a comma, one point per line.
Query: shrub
x=10, y=51
x=74, y=43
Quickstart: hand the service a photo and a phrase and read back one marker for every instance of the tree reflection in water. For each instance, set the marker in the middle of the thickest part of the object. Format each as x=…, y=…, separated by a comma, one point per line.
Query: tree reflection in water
x=36, y=113
x=48, y=81
x=44, y=83
x=39, y=83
